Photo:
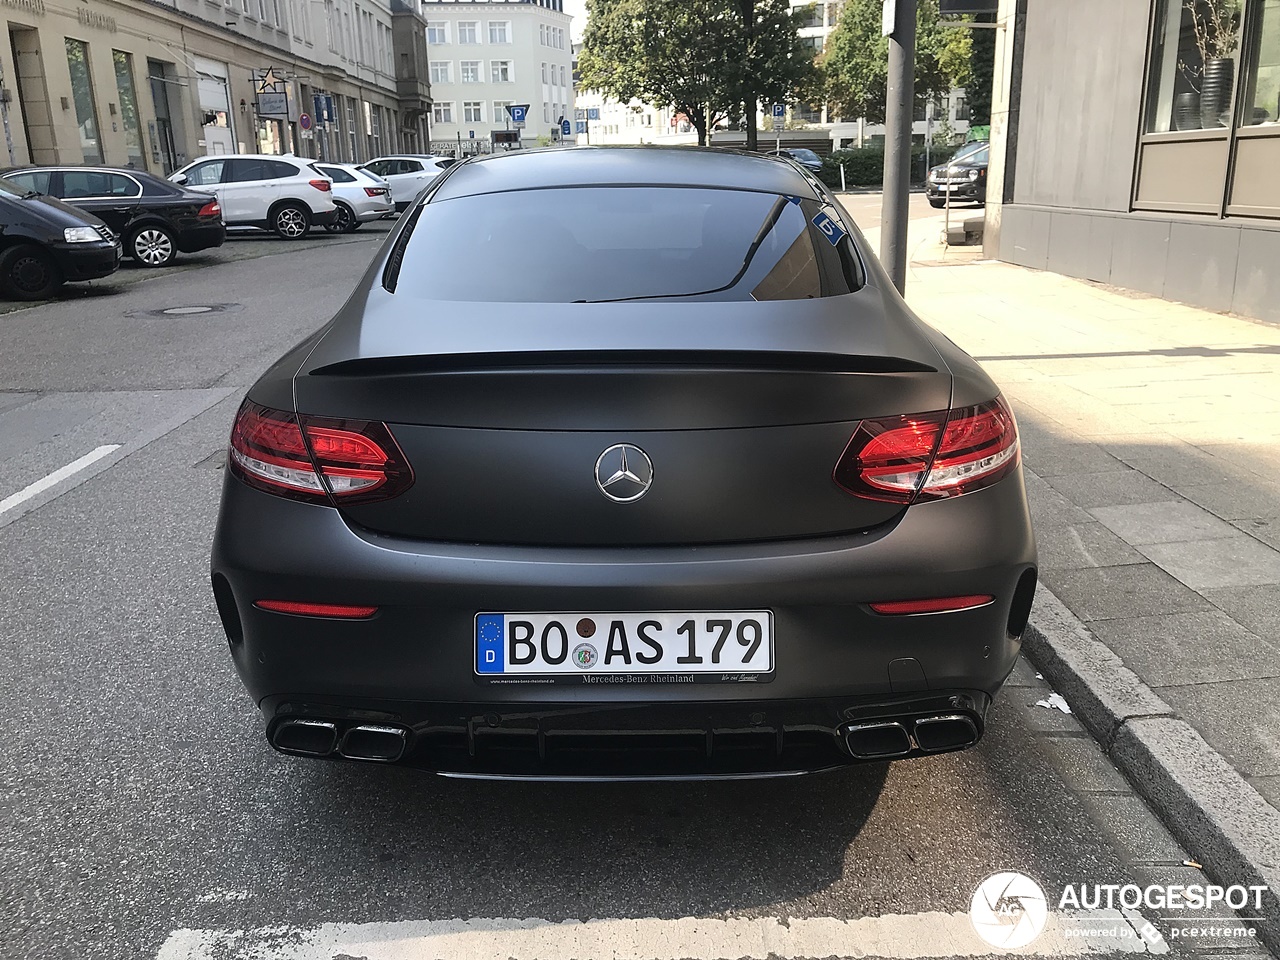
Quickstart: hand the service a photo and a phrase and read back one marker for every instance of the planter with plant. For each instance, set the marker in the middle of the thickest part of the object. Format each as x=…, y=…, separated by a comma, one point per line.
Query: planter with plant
x=1216, y=26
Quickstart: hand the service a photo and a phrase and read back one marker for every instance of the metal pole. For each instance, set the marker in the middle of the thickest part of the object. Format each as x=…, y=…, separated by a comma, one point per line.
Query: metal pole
x=843, y=188
x=897, y=155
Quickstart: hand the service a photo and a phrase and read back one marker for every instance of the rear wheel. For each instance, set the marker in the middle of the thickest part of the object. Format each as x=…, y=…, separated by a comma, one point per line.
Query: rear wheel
x=28, y=273
x=153, y=246
x=292, y=221
x=344, y=222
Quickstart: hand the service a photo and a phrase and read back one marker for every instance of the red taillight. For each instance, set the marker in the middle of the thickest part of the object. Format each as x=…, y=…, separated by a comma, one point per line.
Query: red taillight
x=324, y=186
x=354, y=461
x=930, y=456
x=210, y=209
x=339, y=611
x=933, y=605
x=374, y=191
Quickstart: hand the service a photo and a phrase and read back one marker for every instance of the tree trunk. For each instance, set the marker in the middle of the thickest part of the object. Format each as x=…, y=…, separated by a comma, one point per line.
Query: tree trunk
x=750, y=104
x=698, y=117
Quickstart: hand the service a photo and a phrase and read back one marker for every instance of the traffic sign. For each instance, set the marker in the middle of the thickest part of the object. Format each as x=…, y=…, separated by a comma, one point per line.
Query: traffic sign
x=779, y=109
x=580, y=126
x=593, y=113
x=779, y=117
x=517, y=112
x=565, y=128
x=473, y=134
x=304, y=121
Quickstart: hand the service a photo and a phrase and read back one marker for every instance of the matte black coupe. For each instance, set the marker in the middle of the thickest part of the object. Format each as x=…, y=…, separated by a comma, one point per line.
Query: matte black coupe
x=624, y=462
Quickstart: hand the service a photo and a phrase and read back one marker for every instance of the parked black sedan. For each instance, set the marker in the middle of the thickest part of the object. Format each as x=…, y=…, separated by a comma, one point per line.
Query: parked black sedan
x=964, y=177
x=44, y=243
x=155, y=218
x=683, y=488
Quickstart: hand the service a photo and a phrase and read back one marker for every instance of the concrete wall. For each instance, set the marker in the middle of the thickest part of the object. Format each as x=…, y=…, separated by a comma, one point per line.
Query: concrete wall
x=1081, y=102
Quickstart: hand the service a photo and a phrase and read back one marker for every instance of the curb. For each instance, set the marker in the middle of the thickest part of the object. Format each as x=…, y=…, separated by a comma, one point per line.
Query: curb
x=1220, y=819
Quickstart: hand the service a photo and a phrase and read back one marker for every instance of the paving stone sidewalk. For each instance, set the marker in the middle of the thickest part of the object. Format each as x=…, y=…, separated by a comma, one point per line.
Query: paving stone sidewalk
x=1151, y=438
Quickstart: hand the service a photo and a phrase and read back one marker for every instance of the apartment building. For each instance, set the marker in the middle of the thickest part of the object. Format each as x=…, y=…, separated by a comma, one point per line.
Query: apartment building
x=152, y=85
x=485, y=55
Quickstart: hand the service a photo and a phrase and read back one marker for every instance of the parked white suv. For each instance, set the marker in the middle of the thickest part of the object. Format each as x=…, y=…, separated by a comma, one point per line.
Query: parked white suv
x=407, y=173
x=285, y=194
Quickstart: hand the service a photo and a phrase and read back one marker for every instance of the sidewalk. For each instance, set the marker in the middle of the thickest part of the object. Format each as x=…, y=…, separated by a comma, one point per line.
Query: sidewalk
x=1151, y=439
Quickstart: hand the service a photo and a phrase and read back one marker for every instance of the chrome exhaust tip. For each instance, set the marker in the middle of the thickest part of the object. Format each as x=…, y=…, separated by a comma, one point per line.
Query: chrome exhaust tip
x=383, y=744
x=877, y=741
x=310, y=738
x=948, y=732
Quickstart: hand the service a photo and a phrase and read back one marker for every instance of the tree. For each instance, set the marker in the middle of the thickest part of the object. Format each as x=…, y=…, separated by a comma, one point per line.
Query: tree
x=982, y=64
x=668, y=52
x=855, y=63
x=777, y=65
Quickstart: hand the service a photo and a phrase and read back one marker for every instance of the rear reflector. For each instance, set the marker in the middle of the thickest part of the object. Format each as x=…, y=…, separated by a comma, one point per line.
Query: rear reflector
x=932, y=605
x=324, y=186
x=354, y=461
x=339, y=611
x=210, y=209
x=930, y=456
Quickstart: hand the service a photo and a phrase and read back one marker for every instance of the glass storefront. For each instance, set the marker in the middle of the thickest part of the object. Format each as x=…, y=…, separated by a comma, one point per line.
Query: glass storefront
x=129, y=108
x=1211, y=136
x=82, y=93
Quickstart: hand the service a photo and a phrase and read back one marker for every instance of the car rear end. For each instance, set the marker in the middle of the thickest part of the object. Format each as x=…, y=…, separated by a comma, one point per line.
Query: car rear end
x=713, y=530
x=197, y=218
x=369, y=196
x=314, y=189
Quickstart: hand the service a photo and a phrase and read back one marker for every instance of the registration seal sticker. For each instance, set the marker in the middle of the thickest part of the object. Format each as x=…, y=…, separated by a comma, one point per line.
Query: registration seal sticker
x=585, y=656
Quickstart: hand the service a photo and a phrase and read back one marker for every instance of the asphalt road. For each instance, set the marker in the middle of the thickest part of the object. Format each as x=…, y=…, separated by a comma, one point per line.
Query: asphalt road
x=142, y=814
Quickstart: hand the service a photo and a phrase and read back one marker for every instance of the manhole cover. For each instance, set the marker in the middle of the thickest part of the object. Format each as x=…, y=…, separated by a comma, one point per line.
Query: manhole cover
x=187, y=310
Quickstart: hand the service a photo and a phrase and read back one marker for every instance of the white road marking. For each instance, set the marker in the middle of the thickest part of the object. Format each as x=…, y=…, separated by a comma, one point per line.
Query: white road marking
x=44, y=483
x=897, y=937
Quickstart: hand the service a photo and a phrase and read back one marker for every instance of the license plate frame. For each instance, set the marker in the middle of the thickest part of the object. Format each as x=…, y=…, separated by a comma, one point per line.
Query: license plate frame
x=685, y=646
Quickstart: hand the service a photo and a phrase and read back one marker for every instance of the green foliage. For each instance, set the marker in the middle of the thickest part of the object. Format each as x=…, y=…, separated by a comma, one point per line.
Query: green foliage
x=709, y=59
x=854, y=65
x=865, y=167
x=982, y=63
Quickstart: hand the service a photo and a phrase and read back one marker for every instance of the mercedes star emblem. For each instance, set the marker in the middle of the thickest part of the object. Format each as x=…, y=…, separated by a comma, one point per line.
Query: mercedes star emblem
x=624, y=473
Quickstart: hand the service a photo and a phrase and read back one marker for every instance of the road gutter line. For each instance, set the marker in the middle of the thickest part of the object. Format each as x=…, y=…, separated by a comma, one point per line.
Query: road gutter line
x=55, y=478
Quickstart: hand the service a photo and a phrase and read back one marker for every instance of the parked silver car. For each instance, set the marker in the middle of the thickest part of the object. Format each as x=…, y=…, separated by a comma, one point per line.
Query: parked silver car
x=358, y=195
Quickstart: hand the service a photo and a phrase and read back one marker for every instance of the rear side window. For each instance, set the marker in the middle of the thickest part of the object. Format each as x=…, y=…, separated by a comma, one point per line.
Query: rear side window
x=279, y=169
x=337, y=174
x=96, y=183
x=204, y=174
x=36, y=180
x=594, y=244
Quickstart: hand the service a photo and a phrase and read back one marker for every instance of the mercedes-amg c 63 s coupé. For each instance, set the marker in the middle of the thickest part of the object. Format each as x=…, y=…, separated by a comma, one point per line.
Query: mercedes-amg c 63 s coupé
x=624, y=462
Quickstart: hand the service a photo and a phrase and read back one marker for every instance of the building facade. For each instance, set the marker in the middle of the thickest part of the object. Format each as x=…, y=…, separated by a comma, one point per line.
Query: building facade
x=1138, y=144
x=486, y=55
x=153, y=85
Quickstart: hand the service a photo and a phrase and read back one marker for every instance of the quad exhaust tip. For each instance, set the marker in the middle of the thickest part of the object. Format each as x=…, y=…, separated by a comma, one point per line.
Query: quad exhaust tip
x=887, y=739
x=319, y=738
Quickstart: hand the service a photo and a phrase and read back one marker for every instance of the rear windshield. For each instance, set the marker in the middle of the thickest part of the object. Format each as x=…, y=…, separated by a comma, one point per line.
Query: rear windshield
x=595, y=244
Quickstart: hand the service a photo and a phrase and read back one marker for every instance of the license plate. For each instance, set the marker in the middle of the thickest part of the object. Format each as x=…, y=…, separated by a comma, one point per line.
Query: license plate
x=585, y=648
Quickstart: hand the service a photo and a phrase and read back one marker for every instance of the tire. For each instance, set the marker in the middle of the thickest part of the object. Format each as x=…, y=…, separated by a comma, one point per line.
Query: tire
x=291, y=221
x=28, y=273
x=937, y=202
x=344, y=222
x=152, y=246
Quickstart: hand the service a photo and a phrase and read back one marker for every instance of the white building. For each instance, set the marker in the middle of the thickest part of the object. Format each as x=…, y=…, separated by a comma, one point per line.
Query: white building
x=487, y=54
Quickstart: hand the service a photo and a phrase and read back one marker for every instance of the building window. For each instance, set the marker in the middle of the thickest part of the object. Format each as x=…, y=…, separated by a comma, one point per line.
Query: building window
x=472, y=112
x=129, y=108
x=441, y=71
x=468, y=31
x=442, y=111
x=353, y=131
x=437, y=31
x=1261, y=75
x=1192, y=65
x=811, y=16
x=82, y=93
x=563, y=76
x=544, y=73
x=470, y=72
x=542, y=34
x=500, y=71
x=812, y=44
x=500, y=114
x=962, y=108
x=499, y=31
x=546, y=112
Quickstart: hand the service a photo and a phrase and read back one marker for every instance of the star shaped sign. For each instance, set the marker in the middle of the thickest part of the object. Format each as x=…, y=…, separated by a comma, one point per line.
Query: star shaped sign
x=269, y=81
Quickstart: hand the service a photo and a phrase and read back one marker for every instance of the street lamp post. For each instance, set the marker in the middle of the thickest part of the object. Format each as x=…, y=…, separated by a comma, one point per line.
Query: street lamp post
x=900, y=27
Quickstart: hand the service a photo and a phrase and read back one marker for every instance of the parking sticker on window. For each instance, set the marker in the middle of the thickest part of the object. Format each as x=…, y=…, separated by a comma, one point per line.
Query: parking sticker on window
x=830, y=229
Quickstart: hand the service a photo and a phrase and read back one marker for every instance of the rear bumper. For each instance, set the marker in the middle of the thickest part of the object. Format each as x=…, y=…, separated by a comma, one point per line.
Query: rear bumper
x=413, y=662
x=194, y=239
x=322, y=218
x=371, y=209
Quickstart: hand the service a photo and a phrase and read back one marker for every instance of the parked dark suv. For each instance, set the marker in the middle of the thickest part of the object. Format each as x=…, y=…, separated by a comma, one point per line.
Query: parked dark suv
x=155, y=218
x=964, y=176
x=45, y=242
